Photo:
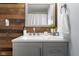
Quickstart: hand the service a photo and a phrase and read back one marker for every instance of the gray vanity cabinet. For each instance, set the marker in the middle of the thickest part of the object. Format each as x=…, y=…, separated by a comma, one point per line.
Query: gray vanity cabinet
x=40, y=48
x=27, y=49
x=55, y=49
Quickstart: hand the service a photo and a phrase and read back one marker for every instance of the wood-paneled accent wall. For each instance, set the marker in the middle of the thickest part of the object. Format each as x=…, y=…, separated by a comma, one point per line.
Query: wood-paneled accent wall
x=14, y=12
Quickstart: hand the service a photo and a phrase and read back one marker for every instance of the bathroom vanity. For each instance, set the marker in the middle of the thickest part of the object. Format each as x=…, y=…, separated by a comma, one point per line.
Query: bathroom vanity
x=40, y=46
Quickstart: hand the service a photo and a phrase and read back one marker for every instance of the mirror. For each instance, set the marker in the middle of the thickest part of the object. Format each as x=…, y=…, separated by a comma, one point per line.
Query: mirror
x=40, y=15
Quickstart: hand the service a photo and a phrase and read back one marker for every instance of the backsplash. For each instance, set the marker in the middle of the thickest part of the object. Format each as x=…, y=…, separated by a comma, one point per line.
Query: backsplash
x=39, y=29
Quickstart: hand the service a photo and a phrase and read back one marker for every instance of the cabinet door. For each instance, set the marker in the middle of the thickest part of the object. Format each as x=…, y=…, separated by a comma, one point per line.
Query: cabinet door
x=27, y=50
x=55, y=49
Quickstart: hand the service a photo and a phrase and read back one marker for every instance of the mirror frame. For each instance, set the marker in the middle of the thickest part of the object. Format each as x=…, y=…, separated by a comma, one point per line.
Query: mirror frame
x=54, y=25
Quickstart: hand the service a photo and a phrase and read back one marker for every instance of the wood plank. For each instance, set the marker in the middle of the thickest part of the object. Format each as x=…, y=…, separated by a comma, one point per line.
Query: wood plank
x=5, y=49
x=11, y=11
x=12, y=5
x=10, y=35
x=18, y=26
x=12, y=16
x=5, y=53
x=6, y=45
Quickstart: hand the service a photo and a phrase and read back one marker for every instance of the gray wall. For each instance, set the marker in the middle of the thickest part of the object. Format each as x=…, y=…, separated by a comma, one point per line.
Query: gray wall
x=74, y=20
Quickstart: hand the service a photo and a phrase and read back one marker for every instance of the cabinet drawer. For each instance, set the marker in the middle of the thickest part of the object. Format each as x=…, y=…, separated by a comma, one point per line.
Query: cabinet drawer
x=56, y=44
x=5, y=53
x=28, y=44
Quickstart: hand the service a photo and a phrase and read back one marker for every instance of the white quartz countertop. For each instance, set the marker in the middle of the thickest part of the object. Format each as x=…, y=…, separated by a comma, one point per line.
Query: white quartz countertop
x=40, y=39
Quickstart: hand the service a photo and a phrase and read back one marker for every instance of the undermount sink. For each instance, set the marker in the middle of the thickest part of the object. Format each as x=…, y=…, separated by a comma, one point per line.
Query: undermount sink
x=31, y=37
x=39, y=38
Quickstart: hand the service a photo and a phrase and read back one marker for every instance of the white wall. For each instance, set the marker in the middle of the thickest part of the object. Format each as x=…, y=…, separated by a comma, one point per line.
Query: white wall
x=59, y=19
x=50, y=14
x=74, y=20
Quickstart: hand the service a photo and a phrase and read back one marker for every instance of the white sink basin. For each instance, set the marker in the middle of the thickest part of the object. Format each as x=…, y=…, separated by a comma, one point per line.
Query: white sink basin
x=31, y=37
x=42, y=37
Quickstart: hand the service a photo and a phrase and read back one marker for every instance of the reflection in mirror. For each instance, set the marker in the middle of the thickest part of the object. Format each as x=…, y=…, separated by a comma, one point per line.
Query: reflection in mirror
x=39, y=15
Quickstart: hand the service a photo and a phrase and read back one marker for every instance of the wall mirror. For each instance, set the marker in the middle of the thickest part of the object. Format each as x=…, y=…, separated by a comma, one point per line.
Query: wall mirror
x=40, y=15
